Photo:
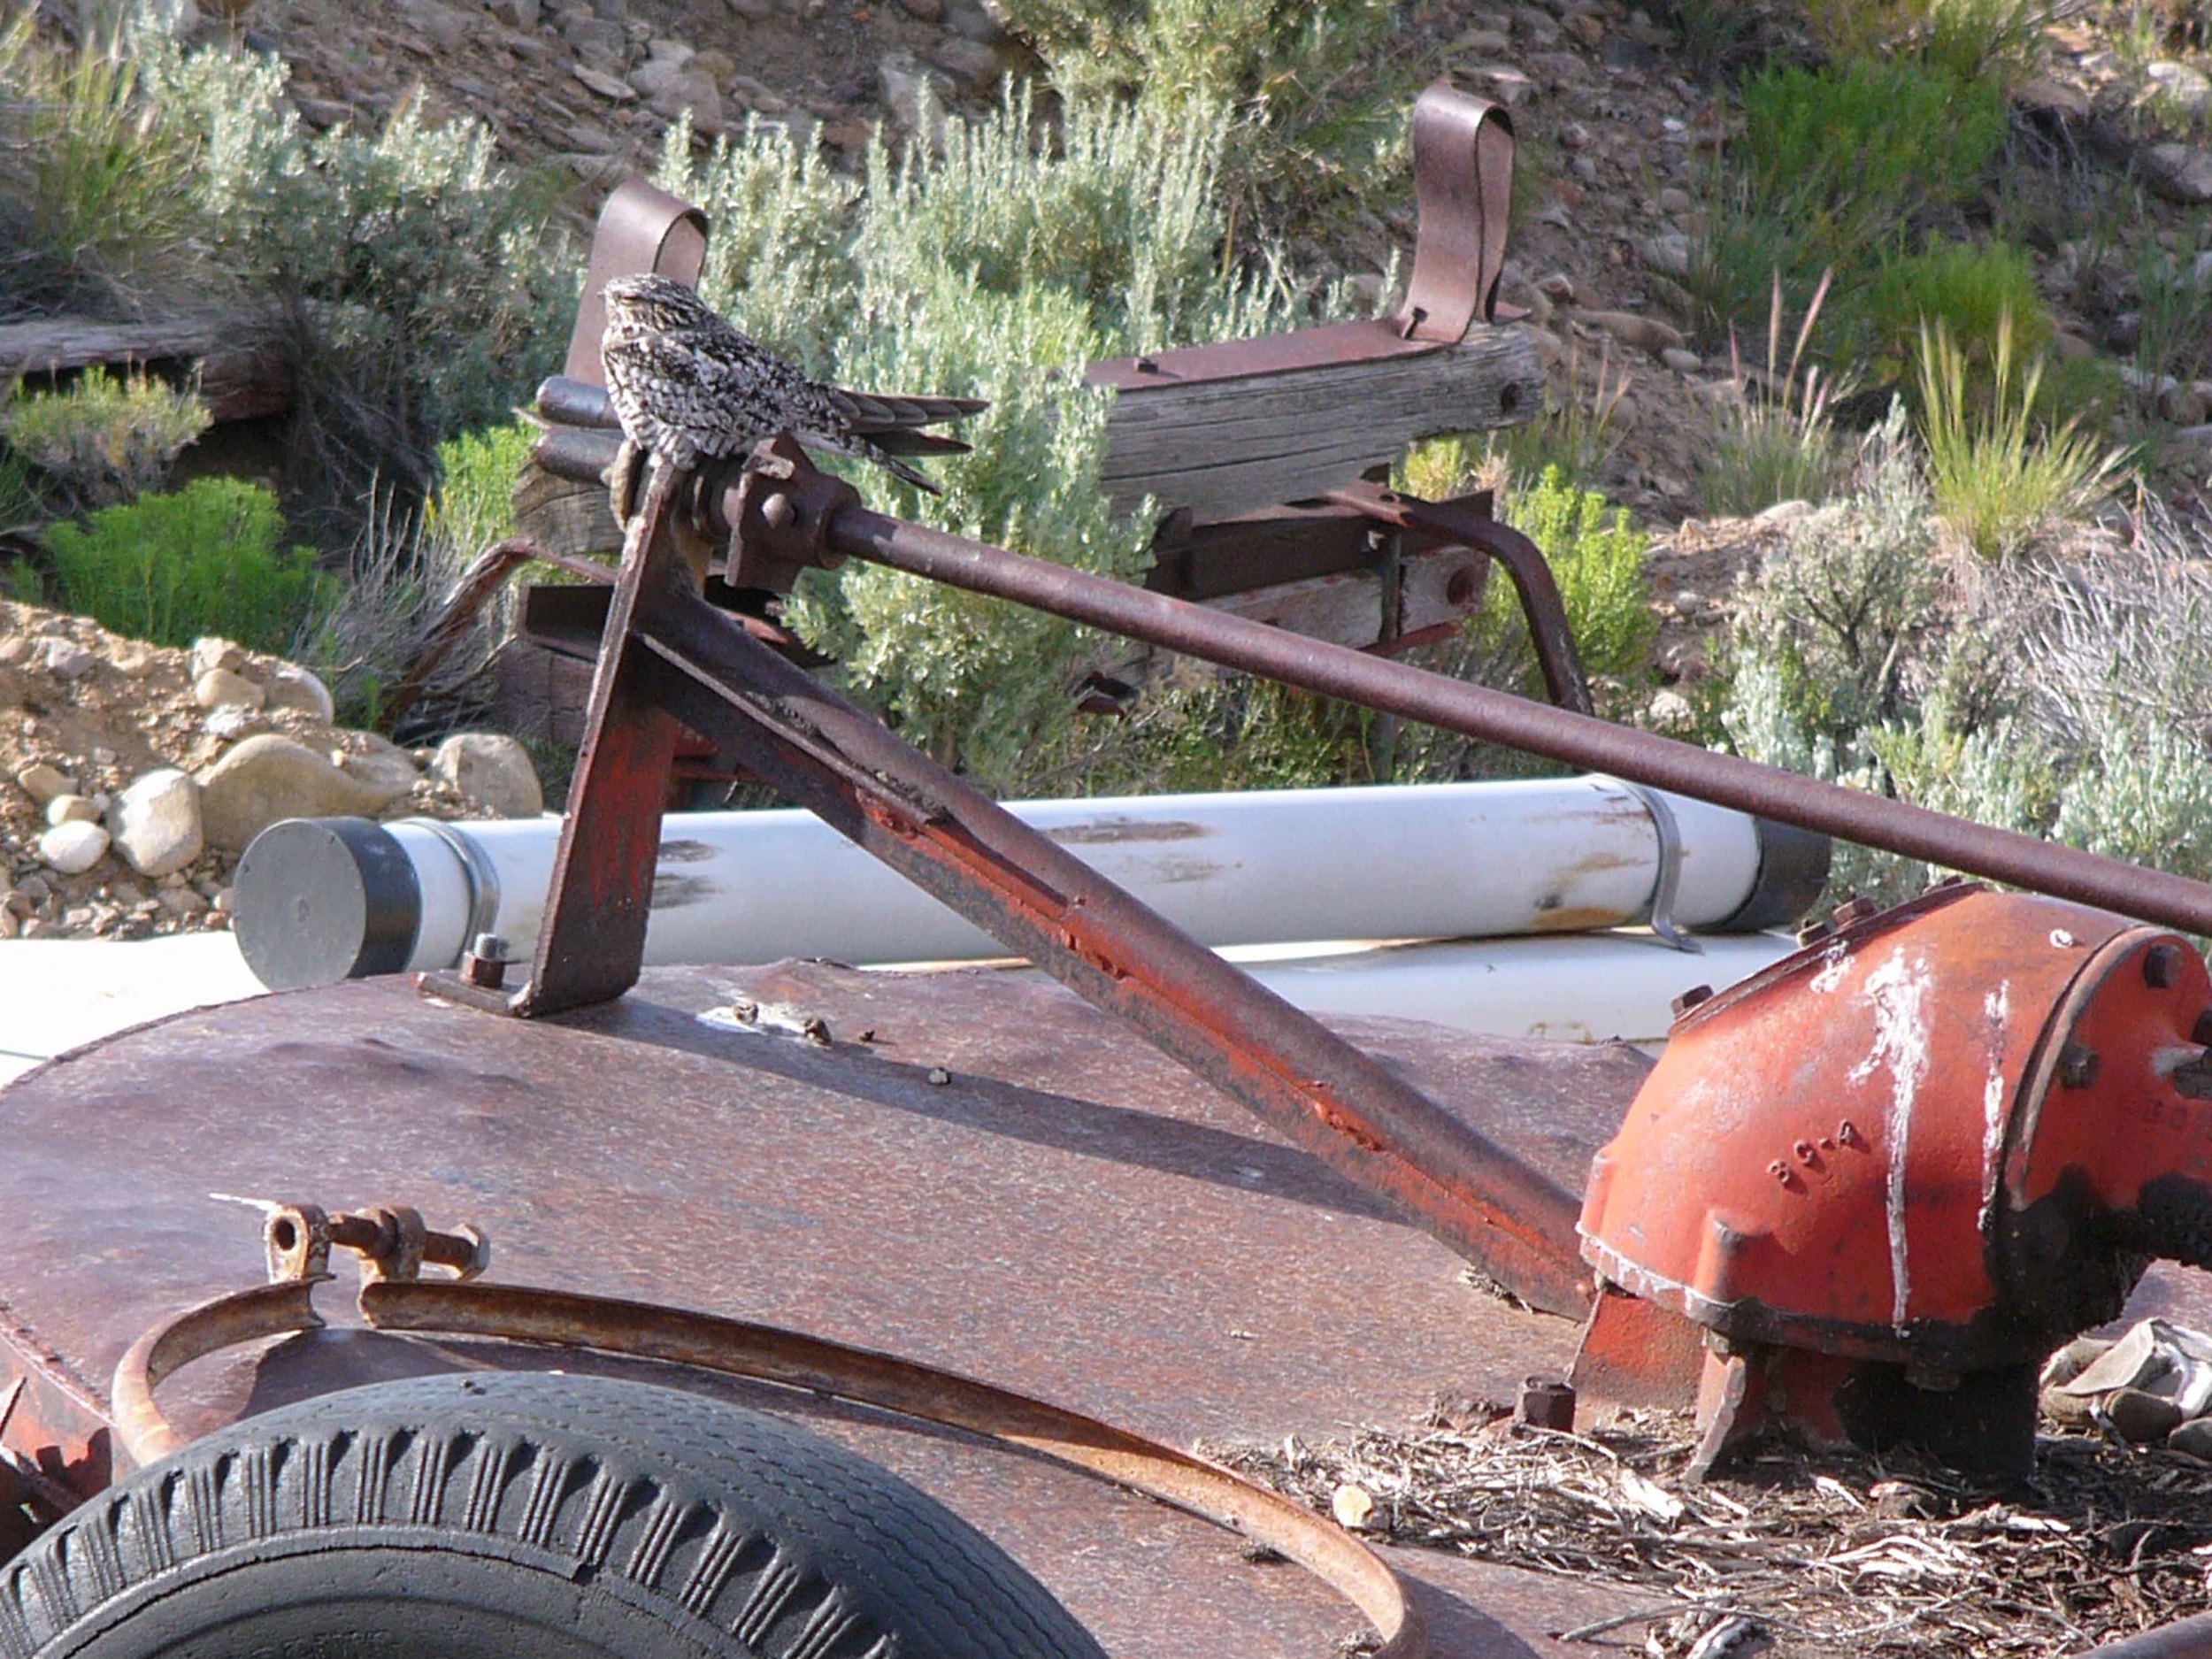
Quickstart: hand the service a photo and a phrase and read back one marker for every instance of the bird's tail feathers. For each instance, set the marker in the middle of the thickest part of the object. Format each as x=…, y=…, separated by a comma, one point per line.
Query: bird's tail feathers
x=873, y=413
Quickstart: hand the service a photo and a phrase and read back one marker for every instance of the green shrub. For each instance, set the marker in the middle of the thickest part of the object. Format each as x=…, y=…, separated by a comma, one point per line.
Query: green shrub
x=205, y=559
x=1997, y=476
x=93, y=189
x=1833, y=169
x=1317, y=96
x=427, y=291
x=1970, y=40
x=1598, y=561
x=1838, y=613
x=1857, y=148
x=2175, y=306
x=474, y=506
x=2061, y=694
x=996, y=267
x=107, y=438
x=1969, y=291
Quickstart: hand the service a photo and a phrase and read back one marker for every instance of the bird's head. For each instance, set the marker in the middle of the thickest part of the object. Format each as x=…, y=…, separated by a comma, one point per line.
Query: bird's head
x=638, y=305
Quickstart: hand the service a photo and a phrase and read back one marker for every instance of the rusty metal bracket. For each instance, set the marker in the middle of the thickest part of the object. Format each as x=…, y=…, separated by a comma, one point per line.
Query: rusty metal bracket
x=779, y=517
x=1450, y=523
x=1462, y=160
x=1463, y=179
x=640, y=228
x=736, y=1347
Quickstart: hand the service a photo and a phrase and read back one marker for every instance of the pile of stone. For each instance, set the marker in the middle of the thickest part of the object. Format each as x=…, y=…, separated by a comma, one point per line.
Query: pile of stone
x=131, y=777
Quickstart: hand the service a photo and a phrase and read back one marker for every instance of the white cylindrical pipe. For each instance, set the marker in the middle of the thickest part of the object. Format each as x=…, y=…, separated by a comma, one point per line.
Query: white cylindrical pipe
x=318, y=900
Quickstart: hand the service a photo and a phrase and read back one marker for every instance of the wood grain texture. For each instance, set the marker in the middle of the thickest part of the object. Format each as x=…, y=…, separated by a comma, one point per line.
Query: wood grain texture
x=244, y=370
x=1224, y=448
x=563, y=516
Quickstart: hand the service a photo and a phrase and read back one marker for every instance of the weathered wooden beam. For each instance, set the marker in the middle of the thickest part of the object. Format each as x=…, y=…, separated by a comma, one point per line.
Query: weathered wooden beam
x=1224, y=448
x=244, y=370
x=561, y=515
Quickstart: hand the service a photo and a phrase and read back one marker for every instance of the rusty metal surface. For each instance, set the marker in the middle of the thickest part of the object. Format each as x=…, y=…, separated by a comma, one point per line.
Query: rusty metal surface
x=593, y=937
x=1498, y=716
x=1040, y=902
x=1065, y=1214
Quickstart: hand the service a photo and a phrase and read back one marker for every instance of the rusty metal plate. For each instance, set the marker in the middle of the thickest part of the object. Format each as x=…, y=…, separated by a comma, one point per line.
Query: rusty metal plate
x=1067, y=1213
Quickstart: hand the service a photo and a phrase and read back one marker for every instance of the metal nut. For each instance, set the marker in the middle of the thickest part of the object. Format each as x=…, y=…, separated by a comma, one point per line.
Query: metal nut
x=1546, y=1402
x=1691, y=998
x=777, y=514
x=1813, y=931
x=484, y=964
x=1854, y=911
x=2078, y=1066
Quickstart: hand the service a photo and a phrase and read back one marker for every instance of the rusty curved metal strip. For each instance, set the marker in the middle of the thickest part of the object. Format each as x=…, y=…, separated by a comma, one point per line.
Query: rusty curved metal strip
x=641, y=228
x=1462, y=180
x=738, y=1347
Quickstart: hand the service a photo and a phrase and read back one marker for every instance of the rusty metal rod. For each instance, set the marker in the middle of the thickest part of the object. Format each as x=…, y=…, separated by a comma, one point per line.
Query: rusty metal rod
x=1497, y=717
x=955, y=843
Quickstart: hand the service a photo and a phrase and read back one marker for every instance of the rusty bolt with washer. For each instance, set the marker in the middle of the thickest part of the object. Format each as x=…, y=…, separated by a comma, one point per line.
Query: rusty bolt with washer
x=484, y=964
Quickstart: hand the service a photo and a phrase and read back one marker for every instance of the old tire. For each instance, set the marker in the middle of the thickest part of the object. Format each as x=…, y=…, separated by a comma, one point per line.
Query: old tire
x=486, y=1515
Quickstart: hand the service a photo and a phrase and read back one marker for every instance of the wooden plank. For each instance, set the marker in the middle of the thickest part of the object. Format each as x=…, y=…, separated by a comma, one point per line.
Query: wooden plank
x=561, y=516
x=1226, y=447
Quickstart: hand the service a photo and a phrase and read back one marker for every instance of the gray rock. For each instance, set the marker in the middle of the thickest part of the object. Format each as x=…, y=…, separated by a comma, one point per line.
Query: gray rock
x=386, y=766
x=1674, y=199
x=64, y=659
x=2177, y=172
x=441, y=25
x=1667, y=252
x=2140, y=1416
x=693, y=90
x=518, y=14
x=1631, y=328
x=2187, y=88
x=42, y=780
x=901, y=78
x=210, y=651
x=289, y=685
x=753, y=11
x=492, y=770
x=220, y=688
x=267, y=777
x=71, y=809
x=605, y=85
x=156, y=823
x=2193, y=1439
x=975, y=20
x=969, y=61
x=74, y=847
x=1681, y=361
x=927, y=11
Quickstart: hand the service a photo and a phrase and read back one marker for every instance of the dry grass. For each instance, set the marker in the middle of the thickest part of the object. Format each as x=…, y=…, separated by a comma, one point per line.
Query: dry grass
x=1846, y=1558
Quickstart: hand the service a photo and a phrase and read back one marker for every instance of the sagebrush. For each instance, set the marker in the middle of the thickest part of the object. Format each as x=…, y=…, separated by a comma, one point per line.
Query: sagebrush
x=208, y=558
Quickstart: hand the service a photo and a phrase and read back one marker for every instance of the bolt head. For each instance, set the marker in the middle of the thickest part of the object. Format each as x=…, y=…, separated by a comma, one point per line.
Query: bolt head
x=1691, y=998
x=2078, y=1065
x=1813, y=931
x=1854, y=911
x=777, y=514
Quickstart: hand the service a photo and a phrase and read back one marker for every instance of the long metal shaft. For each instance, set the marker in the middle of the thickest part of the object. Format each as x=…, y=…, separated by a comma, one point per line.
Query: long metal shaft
x=1497, y=717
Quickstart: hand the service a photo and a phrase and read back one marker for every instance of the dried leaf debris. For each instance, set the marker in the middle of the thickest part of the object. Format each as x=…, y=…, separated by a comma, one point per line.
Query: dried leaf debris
x=1855, y=1557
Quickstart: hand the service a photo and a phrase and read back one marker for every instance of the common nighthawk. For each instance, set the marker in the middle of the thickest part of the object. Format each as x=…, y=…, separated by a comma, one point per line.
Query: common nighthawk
x=690, y=387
